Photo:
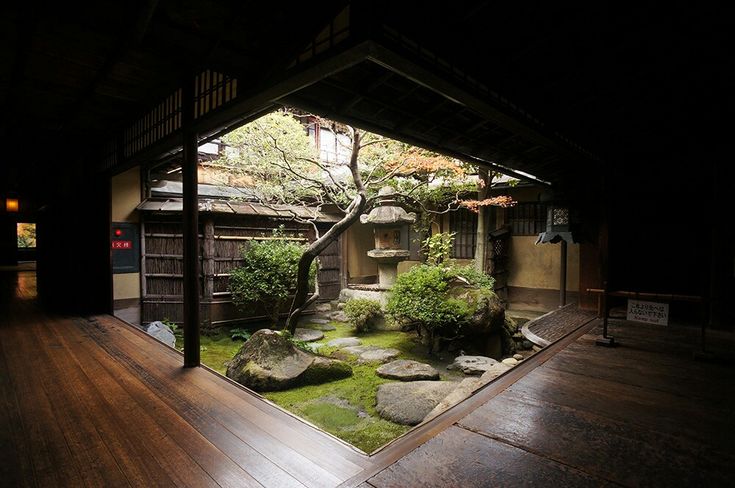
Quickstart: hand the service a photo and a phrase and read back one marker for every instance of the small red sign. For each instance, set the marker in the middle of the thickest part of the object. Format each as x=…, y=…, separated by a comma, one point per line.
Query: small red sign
x=122, y=244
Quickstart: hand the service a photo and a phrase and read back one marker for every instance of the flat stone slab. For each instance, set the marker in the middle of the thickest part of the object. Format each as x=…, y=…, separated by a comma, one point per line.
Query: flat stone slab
x=308, y=335
x=372, y=354
x=322, y=327
x=408, y=403
x=407, y=370
x=339, y=316
x=318, y=321
x=472, y=365
x=466, y=388
x=344, y=342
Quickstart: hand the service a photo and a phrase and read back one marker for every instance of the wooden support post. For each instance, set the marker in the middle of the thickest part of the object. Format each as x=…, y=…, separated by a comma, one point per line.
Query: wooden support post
x=563, y=275
x=191, y=228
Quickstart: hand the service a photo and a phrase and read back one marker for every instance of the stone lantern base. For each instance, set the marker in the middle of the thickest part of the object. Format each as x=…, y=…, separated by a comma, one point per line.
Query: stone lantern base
x=388, y=260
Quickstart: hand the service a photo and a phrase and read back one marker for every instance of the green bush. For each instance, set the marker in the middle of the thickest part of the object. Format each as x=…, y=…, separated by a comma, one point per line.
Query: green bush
x=473, y=277
x=421, y=297
x=361, y=311
x=268, y=274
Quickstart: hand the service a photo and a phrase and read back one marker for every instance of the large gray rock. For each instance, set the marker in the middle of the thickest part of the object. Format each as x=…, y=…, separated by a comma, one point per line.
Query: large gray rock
x=466, y=388
x=162, y=332
x=344, y=342
x=268, y=362
x=472, y=365
x=372, y=354
x=407, y=370
x=409, y=403
x=488, y=314
x=308, y=335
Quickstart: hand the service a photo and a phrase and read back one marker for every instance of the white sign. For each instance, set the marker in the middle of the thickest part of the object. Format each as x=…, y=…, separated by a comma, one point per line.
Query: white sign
x=649, y=312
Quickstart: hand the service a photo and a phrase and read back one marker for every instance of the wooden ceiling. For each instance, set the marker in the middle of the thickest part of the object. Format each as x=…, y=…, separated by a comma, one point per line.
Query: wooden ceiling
x=555, y=92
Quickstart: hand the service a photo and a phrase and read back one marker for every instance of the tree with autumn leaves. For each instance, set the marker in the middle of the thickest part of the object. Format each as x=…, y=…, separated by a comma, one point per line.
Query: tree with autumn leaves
x=280, y=163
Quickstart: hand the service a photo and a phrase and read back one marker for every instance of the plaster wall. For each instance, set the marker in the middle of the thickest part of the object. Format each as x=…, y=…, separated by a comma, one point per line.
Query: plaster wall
x=537, y=266
x=359, y=238
x=125, y=197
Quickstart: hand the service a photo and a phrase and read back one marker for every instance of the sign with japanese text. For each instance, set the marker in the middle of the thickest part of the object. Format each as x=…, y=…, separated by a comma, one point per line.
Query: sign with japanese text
x=648, y=312
x=122, y=244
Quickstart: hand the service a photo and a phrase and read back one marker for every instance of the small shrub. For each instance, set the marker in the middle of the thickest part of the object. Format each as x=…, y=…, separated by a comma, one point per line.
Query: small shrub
x=268, y=274
x=473, y=277
x=421, y=297
x=239, y=333
x=361, y=312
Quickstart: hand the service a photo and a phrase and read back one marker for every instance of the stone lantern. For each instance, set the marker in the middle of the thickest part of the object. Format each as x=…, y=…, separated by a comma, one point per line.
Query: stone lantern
x=389, y=221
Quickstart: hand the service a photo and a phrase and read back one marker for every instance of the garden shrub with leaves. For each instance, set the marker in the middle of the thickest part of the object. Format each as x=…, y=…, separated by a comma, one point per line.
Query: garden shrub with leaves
x=268, y=274
x=361, y=312
x=420, y=297
x=472, y=276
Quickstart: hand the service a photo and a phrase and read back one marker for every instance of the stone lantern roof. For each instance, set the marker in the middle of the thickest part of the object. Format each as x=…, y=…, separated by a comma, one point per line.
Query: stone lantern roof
x=388, y=211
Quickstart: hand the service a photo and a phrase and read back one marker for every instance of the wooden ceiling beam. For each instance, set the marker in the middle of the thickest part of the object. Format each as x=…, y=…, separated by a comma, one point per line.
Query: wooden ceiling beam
x=131, y=37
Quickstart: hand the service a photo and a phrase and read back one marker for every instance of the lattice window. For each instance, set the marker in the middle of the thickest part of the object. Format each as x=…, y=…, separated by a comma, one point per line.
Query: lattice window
x=464, y=224
x=527, y=219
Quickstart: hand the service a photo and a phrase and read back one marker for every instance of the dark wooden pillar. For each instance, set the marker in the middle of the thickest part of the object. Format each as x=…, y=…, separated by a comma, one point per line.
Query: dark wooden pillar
x=563, y=275
x=191, y=229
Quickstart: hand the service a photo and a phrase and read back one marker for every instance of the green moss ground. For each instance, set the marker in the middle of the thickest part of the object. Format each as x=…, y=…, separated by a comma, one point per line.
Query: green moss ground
x=344, y=408
x=354, y=419
x=216, y=350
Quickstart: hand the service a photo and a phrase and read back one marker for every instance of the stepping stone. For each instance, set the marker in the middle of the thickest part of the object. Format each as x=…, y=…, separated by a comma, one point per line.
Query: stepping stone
x=323, y=307
x=318, y=321
x=322, y=327
x=510, y=361
x=407, y=370
x=372, y=354
x=339, y=316
x=473, y=365
x=518, y=357
x=466, y=388
x=408, y=403
x=344, y=342
x=308, y=335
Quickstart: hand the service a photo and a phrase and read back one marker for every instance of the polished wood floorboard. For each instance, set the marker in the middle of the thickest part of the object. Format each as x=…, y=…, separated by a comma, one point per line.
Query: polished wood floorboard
x=92, y=401
x=643, y=414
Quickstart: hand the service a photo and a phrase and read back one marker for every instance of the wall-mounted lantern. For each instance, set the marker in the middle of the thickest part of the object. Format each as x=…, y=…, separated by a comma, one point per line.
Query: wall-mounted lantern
x=12, y=205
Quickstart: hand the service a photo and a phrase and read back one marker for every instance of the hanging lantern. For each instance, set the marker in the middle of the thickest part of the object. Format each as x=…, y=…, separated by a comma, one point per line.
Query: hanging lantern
x=560, y=226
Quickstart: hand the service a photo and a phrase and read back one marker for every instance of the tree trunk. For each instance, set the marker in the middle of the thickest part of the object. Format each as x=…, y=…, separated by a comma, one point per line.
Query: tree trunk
x=315, y=249
x=483, y=192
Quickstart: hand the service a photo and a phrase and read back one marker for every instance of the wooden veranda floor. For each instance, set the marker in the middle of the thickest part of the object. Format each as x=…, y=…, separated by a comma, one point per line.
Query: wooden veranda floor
x=93, y=402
